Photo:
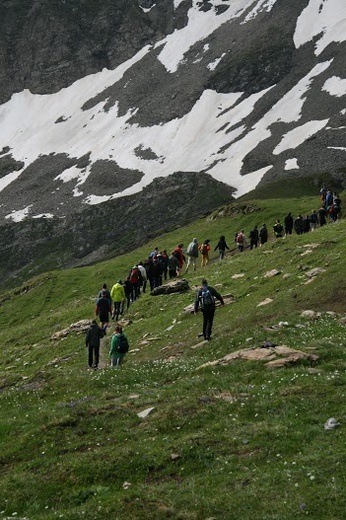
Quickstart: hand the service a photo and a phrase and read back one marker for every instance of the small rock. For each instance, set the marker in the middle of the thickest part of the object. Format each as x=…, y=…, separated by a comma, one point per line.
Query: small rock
x=310, y=314
x=331, y=424
x=273, y=272
x=265, y=302
x=175, y=456
x=145, y=413
x=315, y=272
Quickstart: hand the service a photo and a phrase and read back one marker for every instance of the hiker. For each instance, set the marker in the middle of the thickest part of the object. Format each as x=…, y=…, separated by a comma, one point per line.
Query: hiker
x=313, y=220
x=306, y=224
x=157, y=271
x=103, y=310
x=240, y=240
x=221, y=246
x=337, y=205
x=263, y=235
x=105, y=289
x=321, y=214
x=254, y=237
x=119, y=347
x=128, y=291
x=192, y=254
x=329, y=199
x=323, y=192
x=204, y=250
x=288, y=224
x=148, y=264
x=118, y=297
x=298, y=225
x=136, y=280
x=278, y=229
x=173, y=265
x=205, y=299
x=144, y=276
x=154, y=253
x=92, y=343
x=164, y=261
x=179, y=254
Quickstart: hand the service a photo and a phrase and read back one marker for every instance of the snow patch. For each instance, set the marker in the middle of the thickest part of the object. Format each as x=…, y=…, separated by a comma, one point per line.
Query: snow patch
x=291, y=164
x=263, y=5
x=335, y=86
x=321, y=17
x=200, y=25
x=214, y=64
x=18, y=216
x=299, y=134
x=147, y=9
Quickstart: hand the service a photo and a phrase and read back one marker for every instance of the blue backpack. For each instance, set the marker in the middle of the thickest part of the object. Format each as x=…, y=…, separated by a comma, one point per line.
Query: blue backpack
x=206, y=298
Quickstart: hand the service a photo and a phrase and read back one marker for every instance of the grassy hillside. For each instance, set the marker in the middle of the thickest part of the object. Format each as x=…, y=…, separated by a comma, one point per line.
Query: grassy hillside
x=222, y=441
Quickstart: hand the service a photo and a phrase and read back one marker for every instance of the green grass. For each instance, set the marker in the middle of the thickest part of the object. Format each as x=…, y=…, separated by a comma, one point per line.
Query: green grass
x=222, y=441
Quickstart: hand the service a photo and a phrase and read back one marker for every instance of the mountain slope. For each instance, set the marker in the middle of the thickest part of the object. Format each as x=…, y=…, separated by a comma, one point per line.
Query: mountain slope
x=246, y=91
x=221, y=441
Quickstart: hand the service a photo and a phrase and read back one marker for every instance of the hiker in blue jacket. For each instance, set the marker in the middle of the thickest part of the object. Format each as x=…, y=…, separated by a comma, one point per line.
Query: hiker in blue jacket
x=205, y=299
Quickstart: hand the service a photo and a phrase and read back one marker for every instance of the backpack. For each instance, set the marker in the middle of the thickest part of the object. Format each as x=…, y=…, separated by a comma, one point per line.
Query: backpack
x=204, y=249
x=123, y=344
x=206, y=298
x=240, y=238
x=134, y=276
x=190, y=248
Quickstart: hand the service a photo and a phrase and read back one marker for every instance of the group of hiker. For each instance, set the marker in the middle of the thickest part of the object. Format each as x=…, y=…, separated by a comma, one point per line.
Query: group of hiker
x=159, y=266
x=329, y=210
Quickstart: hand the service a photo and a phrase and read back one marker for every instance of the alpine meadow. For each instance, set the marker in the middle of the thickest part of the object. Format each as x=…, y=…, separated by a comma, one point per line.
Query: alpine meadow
x=221, y=435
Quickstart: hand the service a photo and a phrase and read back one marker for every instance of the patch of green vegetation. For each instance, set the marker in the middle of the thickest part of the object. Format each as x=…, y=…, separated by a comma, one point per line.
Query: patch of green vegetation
x=223, y=440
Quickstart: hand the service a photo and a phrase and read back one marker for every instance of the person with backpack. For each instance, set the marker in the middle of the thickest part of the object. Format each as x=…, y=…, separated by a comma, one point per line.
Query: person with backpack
x=288, y=224
x=205, y=300
x=103, y=310
x=157, y=271
x=263, y=235
x=254, y=237
x=192, y=255
x=118, y=297
x=92, y=343
x=179, y=254
x=173, y=266
x=105, y=289
x=204, y=250
x=278, y=229
x=221, y=246
x=128, y=291
x=240, y=240
x=119, y=347
x=298, y=225
x=144, y=276
x=136, y=281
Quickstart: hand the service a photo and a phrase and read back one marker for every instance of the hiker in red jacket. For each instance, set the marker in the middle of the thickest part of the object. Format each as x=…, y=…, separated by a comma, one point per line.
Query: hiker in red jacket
x=178, y=253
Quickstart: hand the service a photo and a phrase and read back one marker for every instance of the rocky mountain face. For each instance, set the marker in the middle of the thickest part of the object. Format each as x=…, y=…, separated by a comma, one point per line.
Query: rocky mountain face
x=115, y=111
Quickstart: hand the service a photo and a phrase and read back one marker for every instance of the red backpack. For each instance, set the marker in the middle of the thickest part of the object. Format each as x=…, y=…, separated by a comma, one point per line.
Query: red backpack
x=134, y=276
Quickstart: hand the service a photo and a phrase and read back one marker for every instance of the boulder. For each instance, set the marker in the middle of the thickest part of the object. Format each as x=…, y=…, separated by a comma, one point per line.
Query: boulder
x=287, y=356
x=315, y=272
x=79, y=327
x=177, y=285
